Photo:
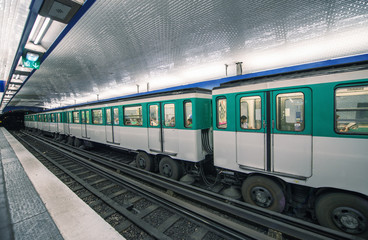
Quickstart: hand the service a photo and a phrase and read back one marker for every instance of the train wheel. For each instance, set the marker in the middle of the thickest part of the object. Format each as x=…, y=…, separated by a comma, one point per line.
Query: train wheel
x=144, y=161
x=170, y=168
x=344, y=212
x=263, y=192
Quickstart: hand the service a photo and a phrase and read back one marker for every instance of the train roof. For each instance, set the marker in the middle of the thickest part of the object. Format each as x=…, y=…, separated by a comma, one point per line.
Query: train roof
x=137, y=96
x=296, y=74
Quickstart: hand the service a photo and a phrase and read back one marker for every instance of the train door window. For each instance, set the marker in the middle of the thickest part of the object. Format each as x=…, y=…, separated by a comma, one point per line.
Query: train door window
x=250, y=112
x=70, y=116
x=83, y=116
x=108, y=116
x=169, y=111
x=87, y=116
x=351, y=110
x=133, y=116
x=59, y=117
x=154, y=118
x=97, y=116
x=76, y=117
x=188, y=109
x=221, y=113
x=116, y=116
x=52, y=117
x=290, y=112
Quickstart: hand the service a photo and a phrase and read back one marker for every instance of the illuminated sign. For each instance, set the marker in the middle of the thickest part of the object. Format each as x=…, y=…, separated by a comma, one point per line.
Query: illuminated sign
x=31, y=60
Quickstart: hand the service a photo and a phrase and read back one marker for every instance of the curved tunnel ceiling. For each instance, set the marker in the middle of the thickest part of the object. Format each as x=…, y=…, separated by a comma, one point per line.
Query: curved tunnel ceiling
x=117, y=45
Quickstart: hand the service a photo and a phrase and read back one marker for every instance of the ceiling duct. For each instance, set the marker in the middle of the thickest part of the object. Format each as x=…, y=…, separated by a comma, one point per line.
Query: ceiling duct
x=61, y=10
x=239, y=68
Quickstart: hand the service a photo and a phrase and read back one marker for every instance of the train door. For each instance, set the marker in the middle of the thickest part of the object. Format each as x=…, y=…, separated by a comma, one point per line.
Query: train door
x=274, y=132
x=154, y=128
x=291, y=132
x=48, y=125
x=170, y=137
x=69, y=120
x=162, y=132
x=58, y=122
x=112, y=121
x=55, y=122
x=251, y=132
x=85, y=121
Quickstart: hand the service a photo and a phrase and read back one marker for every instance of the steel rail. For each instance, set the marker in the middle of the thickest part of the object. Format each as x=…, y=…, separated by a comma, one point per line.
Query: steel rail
x=220, y=225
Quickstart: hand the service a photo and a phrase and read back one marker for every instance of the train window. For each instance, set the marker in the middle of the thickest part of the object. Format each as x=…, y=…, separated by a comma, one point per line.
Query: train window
x=97, y=116
x=59, y=117
x=290, y=112
x=351, y=110
x=76, y=117
x=133, y=116
x=153, y=109
x=108, y=116
x=250, y=112
x=221, y=113
x=116, y=116
x=188, y=114
x=52, y=117
x=169, y=111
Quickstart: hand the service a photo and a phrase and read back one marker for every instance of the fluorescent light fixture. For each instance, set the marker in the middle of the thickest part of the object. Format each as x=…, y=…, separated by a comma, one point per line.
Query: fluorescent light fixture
x=42, y=31
x=35, y=27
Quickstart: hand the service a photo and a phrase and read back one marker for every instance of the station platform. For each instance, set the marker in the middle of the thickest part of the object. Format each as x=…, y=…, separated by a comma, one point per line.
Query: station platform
x=34, y=204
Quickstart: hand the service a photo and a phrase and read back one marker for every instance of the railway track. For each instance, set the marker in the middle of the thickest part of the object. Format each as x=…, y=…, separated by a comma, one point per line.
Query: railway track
x=142, y=205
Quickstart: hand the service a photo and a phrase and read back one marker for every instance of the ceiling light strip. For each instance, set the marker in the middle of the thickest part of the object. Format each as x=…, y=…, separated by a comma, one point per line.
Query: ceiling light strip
x=41, y=33
x=32, y=16
x=35, y=26
x=86, y=6
x=30, y=22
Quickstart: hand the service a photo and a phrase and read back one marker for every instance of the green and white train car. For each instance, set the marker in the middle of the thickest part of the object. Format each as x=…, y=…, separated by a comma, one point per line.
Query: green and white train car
x=298, y=135
x=162, y=128
x=296, y=141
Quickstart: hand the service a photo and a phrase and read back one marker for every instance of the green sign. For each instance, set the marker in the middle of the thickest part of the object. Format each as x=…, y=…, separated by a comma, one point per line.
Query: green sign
x=30, y=64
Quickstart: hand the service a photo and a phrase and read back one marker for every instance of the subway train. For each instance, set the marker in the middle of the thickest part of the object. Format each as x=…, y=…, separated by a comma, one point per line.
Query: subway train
x=291, y=142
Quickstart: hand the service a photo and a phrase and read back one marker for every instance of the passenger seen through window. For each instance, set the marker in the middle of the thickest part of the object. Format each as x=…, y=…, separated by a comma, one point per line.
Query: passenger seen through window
x=188, y=114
